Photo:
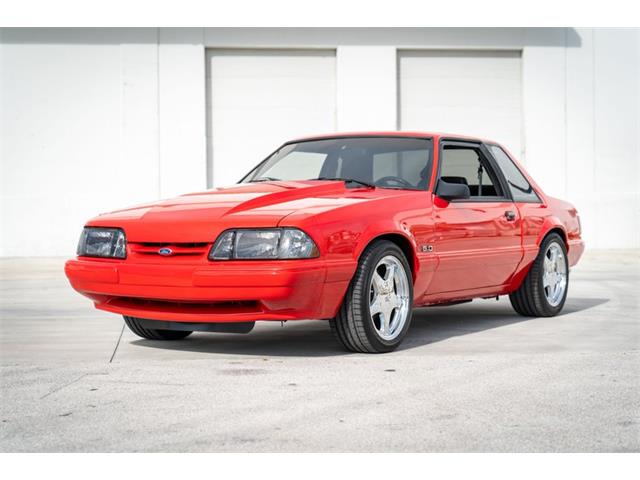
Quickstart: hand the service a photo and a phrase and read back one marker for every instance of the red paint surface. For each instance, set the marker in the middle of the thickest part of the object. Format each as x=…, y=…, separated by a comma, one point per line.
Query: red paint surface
x=476, y=251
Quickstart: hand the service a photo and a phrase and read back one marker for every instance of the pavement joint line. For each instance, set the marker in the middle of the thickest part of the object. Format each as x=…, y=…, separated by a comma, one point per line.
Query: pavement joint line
x=65, y=385
x=117, y=344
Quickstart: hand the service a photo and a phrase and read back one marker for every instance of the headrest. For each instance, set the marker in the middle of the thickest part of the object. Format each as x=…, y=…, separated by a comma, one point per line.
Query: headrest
x=460, y=180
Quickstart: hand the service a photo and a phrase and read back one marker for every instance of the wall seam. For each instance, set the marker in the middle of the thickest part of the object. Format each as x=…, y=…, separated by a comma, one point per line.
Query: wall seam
x=336, y=75
x=122, y=149
x=398, y=89
x=208, y=113
x=566, y=113
x=158, y=135
x=205, y=112
x=593, y=108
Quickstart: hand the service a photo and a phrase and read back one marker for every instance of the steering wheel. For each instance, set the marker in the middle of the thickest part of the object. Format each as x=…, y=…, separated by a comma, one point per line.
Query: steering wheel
x=391, y=178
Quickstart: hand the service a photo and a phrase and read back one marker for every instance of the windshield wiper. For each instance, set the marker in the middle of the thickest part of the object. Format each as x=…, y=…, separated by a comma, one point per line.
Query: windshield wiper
x=348, y=180
x=264, y=179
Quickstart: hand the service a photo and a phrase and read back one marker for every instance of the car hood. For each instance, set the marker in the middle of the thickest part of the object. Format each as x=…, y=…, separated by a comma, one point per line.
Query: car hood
x=200, y=217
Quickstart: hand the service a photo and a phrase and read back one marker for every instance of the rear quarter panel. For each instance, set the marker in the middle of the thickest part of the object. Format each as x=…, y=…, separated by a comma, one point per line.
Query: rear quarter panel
x=538, y=219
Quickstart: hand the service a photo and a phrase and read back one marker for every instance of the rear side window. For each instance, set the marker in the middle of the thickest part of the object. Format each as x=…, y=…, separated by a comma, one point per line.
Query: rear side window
x=519, y=186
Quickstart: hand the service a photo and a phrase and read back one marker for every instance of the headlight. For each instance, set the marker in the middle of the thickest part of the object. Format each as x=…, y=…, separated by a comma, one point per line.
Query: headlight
x=263, y=244
x=102, y=242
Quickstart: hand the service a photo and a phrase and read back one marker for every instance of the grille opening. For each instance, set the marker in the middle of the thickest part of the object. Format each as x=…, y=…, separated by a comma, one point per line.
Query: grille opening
x=153, y=248
x=165, y=244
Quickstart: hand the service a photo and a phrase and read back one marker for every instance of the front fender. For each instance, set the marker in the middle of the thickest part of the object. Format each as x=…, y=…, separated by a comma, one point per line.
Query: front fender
x=387, y=228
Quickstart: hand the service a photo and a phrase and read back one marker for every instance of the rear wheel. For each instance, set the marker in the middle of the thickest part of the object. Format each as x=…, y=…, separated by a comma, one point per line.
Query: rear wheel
x=376, y=312
x=544, y=289
x=136, y=327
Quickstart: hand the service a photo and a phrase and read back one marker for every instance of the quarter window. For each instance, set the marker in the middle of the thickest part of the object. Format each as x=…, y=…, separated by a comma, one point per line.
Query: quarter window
x=521, y=189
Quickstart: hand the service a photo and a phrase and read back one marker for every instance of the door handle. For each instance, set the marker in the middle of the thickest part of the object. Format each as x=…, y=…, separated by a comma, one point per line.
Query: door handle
x=510, y=215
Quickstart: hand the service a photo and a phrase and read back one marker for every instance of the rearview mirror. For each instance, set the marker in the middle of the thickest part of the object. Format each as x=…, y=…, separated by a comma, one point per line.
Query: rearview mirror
x=452, y=191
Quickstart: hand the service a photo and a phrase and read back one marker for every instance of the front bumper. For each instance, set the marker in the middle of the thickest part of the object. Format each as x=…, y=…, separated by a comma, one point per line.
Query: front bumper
x=234, y=291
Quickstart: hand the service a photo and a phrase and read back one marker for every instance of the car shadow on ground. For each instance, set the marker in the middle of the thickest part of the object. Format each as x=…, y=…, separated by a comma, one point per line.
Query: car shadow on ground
x=314, y=338
x=435, y=324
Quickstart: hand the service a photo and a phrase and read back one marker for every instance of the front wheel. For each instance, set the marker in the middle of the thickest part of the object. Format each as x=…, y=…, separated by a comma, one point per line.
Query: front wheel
x=136, y=327
x=544, y=289
x=377, y=308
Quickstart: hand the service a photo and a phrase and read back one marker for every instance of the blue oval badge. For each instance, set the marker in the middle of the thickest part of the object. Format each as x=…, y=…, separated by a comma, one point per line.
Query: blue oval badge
x=165, y=251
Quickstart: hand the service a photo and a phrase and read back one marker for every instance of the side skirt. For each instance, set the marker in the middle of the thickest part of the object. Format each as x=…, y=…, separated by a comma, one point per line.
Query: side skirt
x=461, y=296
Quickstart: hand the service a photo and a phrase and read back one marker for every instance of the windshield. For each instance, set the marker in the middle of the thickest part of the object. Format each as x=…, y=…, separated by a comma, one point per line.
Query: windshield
x=386, y=162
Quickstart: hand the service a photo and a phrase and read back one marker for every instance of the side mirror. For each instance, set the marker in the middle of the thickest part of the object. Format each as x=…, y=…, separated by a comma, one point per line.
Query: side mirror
x=452, y=191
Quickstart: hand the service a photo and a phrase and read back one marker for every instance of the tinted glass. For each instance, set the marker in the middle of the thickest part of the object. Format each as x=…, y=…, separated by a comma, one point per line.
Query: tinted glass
x=467, y=166
x=387, y=162
x=308, y=165
x=519, y=186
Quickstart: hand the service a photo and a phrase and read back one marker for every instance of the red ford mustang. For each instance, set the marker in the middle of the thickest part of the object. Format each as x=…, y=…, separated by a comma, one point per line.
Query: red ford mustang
x=358, y=229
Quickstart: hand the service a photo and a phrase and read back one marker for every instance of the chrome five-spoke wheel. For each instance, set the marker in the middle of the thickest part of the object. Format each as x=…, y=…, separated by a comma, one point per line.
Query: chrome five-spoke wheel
x=554, y=274
x=376, y=311
x=543, y=291
x=389, y=297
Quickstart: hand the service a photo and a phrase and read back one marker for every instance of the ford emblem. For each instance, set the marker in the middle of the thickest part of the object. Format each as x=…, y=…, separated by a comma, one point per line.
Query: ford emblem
x=165, y=251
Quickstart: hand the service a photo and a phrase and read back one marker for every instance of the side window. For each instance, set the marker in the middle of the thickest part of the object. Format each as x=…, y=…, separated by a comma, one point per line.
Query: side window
x=467, y=165
x=520, y=188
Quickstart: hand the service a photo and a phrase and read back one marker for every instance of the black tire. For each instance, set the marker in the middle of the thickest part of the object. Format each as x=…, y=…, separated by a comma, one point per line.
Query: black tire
x=530, y=299
x=353, y=326
x=154, y=334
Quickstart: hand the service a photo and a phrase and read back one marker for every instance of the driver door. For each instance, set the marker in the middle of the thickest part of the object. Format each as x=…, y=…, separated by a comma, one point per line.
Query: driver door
x=477, y=240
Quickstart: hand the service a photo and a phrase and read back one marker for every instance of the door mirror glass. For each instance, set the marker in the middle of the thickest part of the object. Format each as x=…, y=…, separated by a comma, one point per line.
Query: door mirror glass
x=452, y=191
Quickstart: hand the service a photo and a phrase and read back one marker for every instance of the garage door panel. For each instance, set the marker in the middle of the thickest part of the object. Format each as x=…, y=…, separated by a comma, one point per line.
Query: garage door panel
x=453, y=87
x=227, y=119
x=277, y=62
x=258, y=99
x=459, y=94
x=477, y=93
x=268, y=92
x=464, y=114
x=268, y=138
x=456, y=63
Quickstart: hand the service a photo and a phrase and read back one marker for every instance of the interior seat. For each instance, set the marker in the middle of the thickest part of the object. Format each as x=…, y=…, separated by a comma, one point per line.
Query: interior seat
x=459, y=180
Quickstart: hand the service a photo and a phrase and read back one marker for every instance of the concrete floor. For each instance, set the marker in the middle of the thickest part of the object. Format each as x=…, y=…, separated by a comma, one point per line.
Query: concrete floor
x=474, y=377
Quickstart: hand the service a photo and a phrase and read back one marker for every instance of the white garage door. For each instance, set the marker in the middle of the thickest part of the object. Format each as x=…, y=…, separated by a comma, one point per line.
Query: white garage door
x=257, y=99
x=477, y=93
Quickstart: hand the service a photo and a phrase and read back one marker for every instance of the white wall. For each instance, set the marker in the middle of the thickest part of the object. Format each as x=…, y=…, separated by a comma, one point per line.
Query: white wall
x=92, y=120
x=582, y=127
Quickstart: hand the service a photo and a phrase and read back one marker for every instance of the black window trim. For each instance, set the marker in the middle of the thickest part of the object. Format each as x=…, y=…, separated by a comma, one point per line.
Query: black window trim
x=429, y=138
x=477, y=145
x=533, y=188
